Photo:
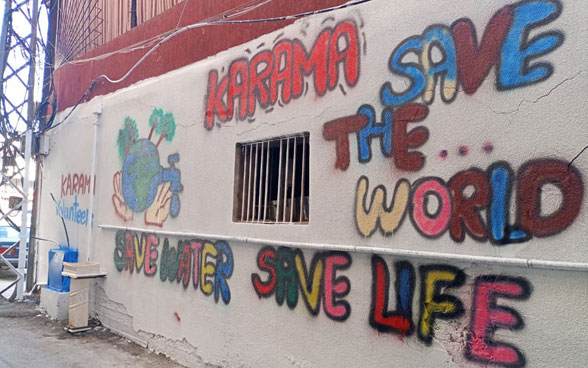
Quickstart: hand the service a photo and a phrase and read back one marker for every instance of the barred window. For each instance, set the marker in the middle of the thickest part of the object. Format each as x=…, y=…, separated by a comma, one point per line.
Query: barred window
x=272, y=180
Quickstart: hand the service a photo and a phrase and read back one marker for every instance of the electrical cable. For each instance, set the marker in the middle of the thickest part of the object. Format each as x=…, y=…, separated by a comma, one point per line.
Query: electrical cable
x=62, y=219
x=227, y=22
x=199, y=25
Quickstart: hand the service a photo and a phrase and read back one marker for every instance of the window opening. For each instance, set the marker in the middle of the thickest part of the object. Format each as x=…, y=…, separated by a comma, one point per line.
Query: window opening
x=272, y=180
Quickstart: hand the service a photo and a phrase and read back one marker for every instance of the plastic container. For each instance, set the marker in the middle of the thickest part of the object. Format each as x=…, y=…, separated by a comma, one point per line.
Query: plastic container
x=57, y=256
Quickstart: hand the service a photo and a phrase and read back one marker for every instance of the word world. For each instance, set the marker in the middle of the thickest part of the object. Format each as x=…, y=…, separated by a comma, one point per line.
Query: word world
x=461, y=213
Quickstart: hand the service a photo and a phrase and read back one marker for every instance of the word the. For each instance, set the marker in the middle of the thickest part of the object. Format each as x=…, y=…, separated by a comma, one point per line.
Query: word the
x=208, y=265
x=393, y=134
x=72, y=184
x=258, y=80
x=505, y=44
x=486, y=315
x=73, y=213
x=287, y=272
x=461, y=213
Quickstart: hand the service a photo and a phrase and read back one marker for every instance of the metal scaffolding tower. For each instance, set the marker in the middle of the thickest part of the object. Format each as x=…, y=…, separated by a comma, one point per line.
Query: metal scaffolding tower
x=21, y=49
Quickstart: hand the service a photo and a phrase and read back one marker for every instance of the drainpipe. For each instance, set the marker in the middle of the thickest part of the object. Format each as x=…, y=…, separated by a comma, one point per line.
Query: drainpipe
x=98, y=114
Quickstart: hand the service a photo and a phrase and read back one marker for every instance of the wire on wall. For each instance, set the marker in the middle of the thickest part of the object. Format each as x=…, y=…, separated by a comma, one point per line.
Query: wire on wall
x=199, y=25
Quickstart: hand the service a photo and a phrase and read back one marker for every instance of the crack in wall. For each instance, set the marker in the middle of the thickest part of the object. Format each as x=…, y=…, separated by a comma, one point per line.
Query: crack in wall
x=115, y=316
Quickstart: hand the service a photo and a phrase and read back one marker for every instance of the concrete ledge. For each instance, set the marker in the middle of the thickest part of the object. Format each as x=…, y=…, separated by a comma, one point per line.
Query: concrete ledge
x=55, y=304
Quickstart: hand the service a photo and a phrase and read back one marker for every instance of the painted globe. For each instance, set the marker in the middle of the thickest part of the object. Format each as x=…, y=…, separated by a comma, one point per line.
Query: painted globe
x=141, y=175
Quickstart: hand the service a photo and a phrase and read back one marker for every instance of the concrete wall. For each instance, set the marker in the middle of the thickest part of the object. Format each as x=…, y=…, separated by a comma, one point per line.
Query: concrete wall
x=447, y=221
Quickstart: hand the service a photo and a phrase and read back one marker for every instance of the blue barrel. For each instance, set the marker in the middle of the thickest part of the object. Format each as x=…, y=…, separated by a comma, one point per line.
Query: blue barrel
x=57, y=256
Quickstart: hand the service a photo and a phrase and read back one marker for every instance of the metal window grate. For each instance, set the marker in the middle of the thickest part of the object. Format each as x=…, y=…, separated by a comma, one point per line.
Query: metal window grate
x=272, y=180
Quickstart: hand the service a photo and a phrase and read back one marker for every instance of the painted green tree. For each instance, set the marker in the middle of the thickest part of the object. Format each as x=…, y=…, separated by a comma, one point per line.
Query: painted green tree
x=127, y=136
x=163, y=124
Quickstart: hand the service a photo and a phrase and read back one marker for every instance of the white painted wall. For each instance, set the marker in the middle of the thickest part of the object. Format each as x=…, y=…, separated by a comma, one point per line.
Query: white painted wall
x=544, y=121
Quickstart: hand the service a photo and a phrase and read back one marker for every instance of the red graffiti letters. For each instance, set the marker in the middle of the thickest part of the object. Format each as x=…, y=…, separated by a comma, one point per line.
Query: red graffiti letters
x=287, y=273
x=437, y=284
x=338, y=130
x=75, y=184
x=259, y=80
x=475, y=61
x=487, y=317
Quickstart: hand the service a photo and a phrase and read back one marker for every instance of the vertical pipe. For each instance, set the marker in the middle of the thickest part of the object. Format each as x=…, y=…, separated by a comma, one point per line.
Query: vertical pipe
x=279, y=182
x=244, y=167
x=24, y=220
x=286, y=179
x=93, y=183
x=293, y=176
x=267, y=154
x=303, y=178
x=254, y=182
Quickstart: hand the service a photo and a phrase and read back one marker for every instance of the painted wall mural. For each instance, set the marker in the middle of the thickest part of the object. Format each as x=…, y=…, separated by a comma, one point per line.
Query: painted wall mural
x=75, y=186
x=505, y=45
x=257, y=80
x=493, y=190
x=205, y=264
x=143, y=185
x=476, y=313
x=284, y=274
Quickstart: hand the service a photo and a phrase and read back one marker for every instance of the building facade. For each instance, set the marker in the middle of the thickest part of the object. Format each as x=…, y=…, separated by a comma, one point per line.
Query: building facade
x=386, y=184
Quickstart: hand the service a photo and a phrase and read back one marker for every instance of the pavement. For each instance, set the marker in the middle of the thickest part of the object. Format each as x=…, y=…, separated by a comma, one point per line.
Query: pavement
x=6, y=278
x=30, y=339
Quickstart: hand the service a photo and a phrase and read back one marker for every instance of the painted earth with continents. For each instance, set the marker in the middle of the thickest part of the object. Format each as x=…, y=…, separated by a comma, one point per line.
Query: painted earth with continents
x=143, y=184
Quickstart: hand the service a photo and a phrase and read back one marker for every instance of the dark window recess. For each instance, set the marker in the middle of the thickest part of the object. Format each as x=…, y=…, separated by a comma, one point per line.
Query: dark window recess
x=272, y=180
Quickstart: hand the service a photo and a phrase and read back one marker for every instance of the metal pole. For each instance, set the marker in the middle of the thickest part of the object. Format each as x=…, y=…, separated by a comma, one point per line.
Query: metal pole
x=3, y=45
x=33, y=243
x=32, y=66
x=24, y=217
x=49, y=62
x=42, y=114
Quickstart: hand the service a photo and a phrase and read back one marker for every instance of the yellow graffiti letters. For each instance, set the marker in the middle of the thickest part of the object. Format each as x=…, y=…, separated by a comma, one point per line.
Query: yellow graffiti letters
x=207, y=268
x=388, y=217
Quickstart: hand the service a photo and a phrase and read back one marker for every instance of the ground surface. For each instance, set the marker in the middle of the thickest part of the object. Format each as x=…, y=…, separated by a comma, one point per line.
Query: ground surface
x=29, y=339
x=6, y=278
